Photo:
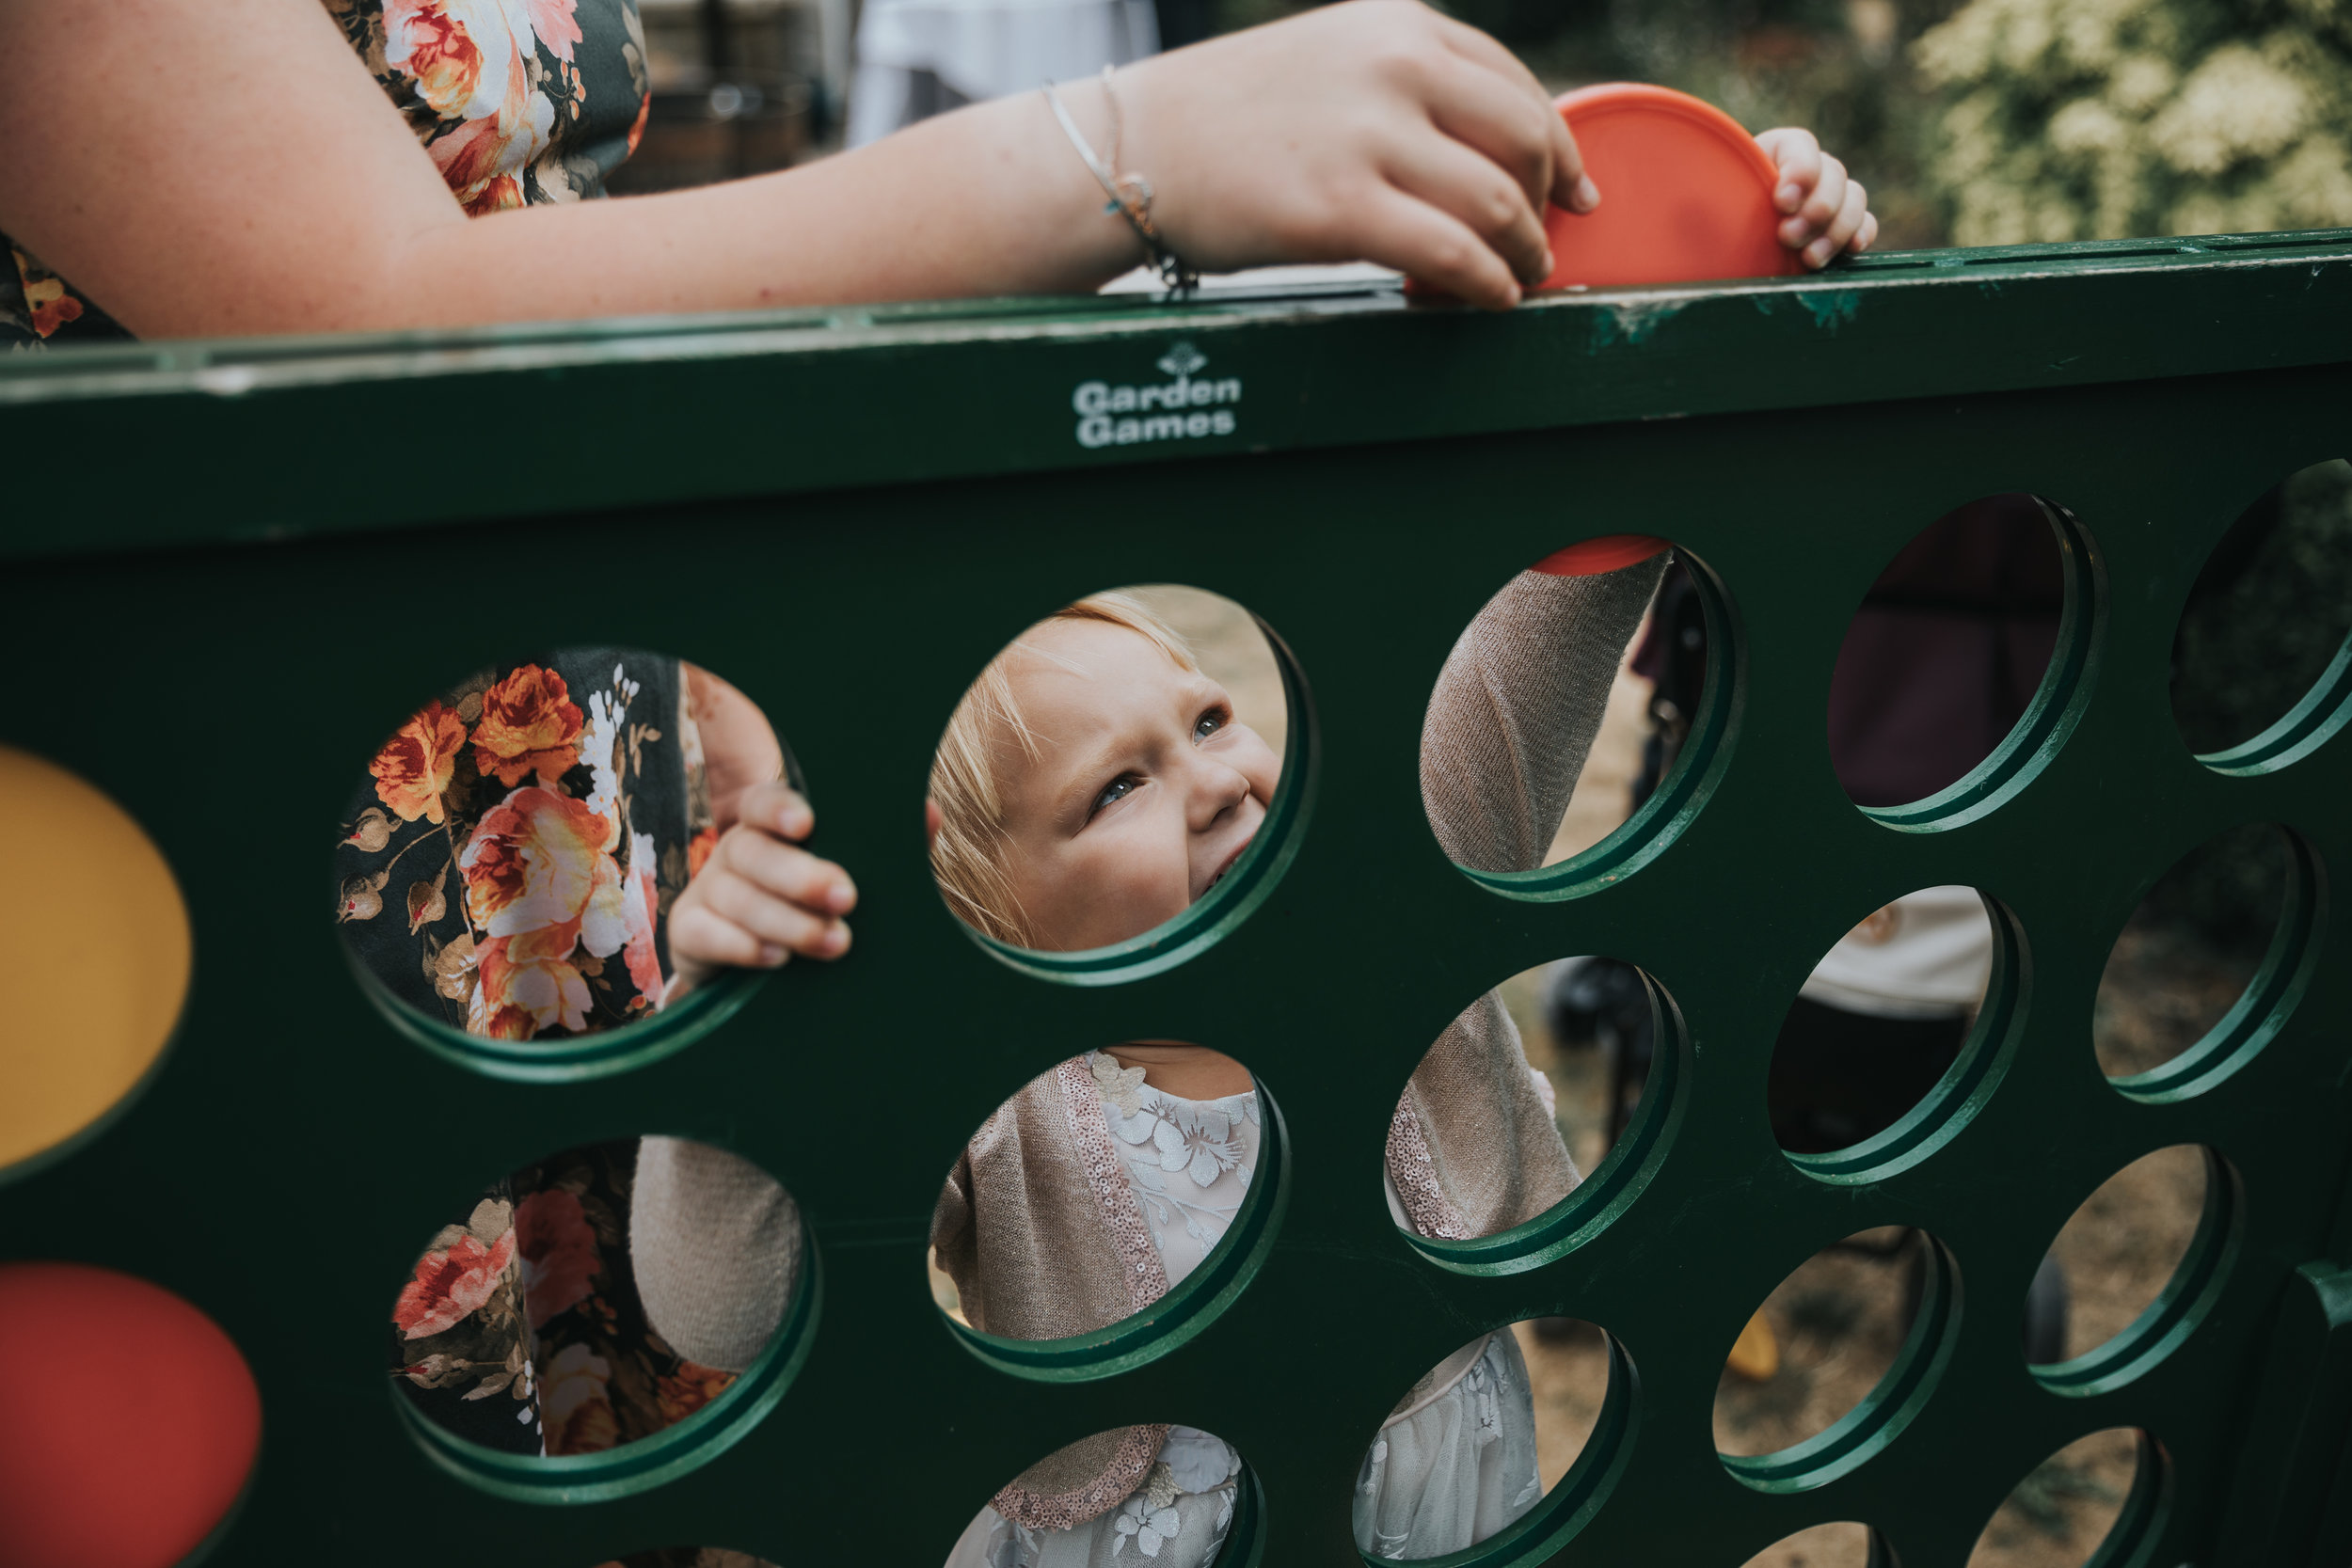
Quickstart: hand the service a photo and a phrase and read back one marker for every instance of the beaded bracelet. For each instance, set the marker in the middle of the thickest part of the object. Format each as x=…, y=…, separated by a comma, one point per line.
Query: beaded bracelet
x=1130, y=194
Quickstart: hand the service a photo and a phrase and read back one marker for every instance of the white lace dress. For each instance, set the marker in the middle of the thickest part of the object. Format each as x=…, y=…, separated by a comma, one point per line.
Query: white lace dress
x=1189, y=1163
x=1456, y=1465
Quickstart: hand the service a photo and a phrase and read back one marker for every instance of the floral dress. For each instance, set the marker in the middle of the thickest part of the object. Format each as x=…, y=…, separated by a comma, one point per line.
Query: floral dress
x=1189, y=1162
x=507, y=868
x=510, y=863
x=518, y=102
x=522, y=1330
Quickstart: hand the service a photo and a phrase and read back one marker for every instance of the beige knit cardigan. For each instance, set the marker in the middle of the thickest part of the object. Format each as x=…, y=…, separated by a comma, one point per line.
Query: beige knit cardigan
x=1037, y=1225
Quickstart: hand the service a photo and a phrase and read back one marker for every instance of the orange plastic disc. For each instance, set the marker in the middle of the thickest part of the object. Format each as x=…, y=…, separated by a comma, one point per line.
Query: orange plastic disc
x=1686, y=193
x=128, y=1421
x=1607, y=553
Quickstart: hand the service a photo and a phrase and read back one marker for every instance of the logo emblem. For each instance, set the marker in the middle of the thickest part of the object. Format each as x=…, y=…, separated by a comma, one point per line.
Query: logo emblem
x=1183, y=359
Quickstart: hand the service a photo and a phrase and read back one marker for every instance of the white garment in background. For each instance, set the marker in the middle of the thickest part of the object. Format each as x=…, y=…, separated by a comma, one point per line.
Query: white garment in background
x=1189, y=1162
x=980, y=49
x=1455, y=1467
x=1927, y=954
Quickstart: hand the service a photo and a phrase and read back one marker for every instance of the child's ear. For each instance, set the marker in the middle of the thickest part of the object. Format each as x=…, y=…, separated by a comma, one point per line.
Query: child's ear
x=931, y=821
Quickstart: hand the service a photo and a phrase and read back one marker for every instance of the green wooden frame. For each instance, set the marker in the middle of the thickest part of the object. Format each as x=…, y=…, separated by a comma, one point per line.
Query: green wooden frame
x=228, y=569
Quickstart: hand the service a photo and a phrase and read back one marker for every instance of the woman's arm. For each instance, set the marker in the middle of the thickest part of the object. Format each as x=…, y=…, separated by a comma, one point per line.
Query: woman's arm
x=214, y=166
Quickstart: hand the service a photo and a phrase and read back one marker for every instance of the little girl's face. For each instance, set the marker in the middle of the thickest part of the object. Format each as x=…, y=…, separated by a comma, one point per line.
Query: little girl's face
x=1144, y=791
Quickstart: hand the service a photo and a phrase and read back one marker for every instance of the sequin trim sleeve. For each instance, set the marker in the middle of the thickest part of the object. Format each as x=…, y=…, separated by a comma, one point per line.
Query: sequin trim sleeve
x=1139, y=1451
x=1415, y=1173
x=1139, y=1262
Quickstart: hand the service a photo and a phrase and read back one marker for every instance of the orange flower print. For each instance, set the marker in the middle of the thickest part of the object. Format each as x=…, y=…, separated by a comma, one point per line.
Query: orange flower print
x=530, y=724
x=430, y=41
x=451, y=1284
x=694, y=1387
x=575, y=1404
x=45, y=293
x=498, y=194
x=698, y=851
x=414, y=766
x=516, y=1000
x=51, y=306
x=554, y=23
x=535, y=861
x=560, y=1256
x=637, y=131
x=501, y=129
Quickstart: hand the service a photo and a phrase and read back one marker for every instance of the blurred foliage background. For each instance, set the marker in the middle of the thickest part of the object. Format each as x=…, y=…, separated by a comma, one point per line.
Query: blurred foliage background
x=1996, y=121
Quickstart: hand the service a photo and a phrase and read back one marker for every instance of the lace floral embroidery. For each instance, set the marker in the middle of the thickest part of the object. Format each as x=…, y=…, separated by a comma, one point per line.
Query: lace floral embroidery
x=1176, y=1151
x=1131, y=1237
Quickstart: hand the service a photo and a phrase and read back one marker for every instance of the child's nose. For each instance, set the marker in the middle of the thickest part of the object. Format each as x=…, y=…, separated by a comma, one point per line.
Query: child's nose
x=1217, y=790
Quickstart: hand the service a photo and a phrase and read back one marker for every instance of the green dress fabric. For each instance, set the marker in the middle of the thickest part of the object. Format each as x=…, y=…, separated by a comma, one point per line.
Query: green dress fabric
x=518, y=102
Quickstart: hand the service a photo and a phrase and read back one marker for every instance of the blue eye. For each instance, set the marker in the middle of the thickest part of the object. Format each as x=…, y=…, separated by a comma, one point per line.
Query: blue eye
x=1210, y=722
x=1113, y=792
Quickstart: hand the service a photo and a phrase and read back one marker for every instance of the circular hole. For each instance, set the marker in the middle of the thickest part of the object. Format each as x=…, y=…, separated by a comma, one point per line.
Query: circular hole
x=511, y=865
x=2107, y=1488
x=1578, y=1061
x=2132, y=1271
x=129, y=1422
x=1958, y=667
x=85, y=1039
x=1512, y=1443
x=1121, y=785
x=1897, y=1035
x=2262, y=664
x=604, y=1320
x=689, y=1557
x=1842, y=1544
x=1838, y=1358
x=1580, y=720
x=1165, y=1494
x=1182, y=1153
x=2210, y=964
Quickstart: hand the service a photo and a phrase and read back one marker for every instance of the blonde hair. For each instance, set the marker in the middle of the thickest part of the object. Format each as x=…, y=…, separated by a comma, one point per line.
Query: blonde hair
x=969, y=854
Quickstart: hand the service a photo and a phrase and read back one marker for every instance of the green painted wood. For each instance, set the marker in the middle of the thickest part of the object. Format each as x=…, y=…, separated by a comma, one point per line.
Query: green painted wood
x=232, y=568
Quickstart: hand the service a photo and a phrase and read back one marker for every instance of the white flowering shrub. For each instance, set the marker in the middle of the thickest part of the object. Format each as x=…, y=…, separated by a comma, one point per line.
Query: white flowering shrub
x=2072, y=119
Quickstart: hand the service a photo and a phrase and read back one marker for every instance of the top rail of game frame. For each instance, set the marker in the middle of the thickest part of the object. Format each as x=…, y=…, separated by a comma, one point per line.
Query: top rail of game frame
x=176, y=444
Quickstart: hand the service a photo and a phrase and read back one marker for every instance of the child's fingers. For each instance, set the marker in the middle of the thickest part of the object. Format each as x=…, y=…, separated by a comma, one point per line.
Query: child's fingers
x=775, y=921
x=775, y=808
x=785, y=872
x=1396, y=230
x=1450, y=177
x=1844, y=227
x=1800, y=159
x=1822, y=208
x=1870, y=234
x=1816, y=213
x=700, y=938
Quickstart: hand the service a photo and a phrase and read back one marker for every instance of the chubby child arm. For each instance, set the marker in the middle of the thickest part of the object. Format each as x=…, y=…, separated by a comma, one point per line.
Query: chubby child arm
x=1828, y=213
x=760, y=897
